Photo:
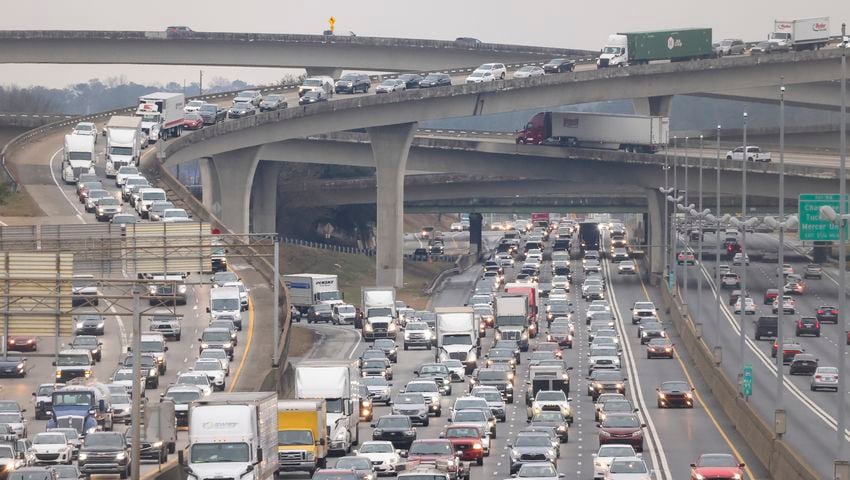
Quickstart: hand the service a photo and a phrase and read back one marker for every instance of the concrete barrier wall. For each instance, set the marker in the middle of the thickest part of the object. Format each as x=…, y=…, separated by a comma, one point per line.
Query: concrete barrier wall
x=778, y=457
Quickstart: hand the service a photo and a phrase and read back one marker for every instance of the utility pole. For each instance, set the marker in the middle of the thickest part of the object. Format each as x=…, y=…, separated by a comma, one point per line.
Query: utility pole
x=699, y=230
x=201, y=83
x=136, y=419
x=841, y=443
x=743, y=329
x=780, y=373
x=276, y=311
x=717, y=244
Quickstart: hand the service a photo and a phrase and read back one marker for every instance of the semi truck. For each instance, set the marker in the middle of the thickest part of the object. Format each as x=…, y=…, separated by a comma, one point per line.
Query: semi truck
x=162, y=115
x=638, y=48
x=77, y=157
x=83, y=407
x=800, y=34
x=308, y=289
x=589, y=234
x=331, y=381
x=124, y=143
x=632, y=133
x=302, y=435
x=511, y=310
x=233, y=435
x=379, y=312
x=533, y=295
x=457, y=336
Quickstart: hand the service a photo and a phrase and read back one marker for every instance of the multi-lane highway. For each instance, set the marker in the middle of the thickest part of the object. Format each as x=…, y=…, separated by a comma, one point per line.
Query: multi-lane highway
x=811, y=415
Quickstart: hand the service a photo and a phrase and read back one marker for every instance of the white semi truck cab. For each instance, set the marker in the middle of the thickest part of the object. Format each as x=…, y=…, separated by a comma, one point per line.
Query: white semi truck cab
x=457, y=336
x=78, y=157
x=615, y=53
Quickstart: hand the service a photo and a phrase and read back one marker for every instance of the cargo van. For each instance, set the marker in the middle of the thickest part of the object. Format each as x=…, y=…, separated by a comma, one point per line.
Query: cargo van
x=225, y=302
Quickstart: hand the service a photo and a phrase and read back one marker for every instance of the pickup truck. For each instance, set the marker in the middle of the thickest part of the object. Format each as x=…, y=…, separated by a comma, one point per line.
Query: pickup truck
x=754, y=154
x=105, y=452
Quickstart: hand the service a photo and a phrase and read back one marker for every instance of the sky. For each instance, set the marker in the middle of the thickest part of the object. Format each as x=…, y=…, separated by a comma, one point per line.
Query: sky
x=579, y=24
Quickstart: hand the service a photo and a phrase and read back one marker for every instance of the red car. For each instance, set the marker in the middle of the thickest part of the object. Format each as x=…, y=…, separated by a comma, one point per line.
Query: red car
x=622, y=428
x=437, y=451
x=466, y=438
x=193, y=121
x=22, y=343
x=716, y=465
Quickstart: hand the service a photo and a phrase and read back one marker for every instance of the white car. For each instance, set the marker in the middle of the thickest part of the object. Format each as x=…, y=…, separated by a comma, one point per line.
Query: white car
x=124, y=377
x=213, y=370
x=51, y=448
x=741, y=259
x=607, y=453
x=505, y=260
x=344, y=314
x=243, y=293
x=480, y=77
x=175, y=215
x=253, y=97
x=754, y=154
x=456, y=227
x=391, y=85
x=85, y=128
x=123, y=173
x=626, y=267
x=535, y=256
x=200, y=380
x=628, y=468
x=382, y=454
x=122, y=408
x=193, y=106
x=499, y=72
x=529, y=71
x=552, y=399
x=218, y=354
x=749, y=306
x=643, y=310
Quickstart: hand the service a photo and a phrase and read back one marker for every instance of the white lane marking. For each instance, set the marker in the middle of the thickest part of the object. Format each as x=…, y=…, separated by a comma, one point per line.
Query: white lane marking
x=658, y=455
x=53, y=175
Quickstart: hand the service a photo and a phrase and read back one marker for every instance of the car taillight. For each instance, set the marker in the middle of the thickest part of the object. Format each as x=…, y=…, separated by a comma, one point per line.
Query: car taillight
x=817, y=377
x=820, y=312
x=835, y=312
x=817, y=324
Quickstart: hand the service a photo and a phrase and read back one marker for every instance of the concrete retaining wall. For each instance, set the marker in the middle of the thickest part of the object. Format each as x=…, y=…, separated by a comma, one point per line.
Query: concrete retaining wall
x=778, y=457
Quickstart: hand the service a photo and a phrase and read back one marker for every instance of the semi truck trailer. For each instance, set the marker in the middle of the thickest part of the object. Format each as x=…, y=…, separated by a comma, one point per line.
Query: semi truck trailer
x=331, y=381
x=308, y=289
x=162, y=115
x=633, y=133
x=638, y=48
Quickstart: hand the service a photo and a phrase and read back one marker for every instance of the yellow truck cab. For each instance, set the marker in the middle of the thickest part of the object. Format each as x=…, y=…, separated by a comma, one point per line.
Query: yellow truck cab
x=302, y=435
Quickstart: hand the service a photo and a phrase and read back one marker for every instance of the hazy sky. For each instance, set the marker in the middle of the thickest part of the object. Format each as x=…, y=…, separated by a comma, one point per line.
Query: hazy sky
x=558, y=23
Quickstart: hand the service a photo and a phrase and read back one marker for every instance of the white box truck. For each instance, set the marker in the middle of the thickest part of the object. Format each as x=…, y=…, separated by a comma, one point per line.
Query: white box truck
x=800, y=34
x=457, y=336
x=233, y=435
x=511, y=312
x=379, y=313
x=308, y=289
x=78, y=157
x=331, y=380
x=162, y=115
x=124, y=143
x=632, y=133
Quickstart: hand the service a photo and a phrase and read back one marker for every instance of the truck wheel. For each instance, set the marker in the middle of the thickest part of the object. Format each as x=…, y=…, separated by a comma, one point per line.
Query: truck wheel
x=479, y=461
x=171, y=447
x=406, y=347
x=124, y=474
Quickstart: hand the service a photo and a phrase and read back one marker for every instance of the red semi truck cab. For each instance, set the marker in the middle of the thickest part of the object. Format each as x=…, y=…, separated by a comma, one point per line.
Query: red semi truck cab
x=535, y=131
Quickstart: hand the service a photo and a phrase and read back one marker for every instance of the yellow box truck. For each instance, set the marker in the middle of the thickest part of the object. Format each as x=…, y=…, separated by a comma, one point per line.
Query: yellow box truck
x=302, y=435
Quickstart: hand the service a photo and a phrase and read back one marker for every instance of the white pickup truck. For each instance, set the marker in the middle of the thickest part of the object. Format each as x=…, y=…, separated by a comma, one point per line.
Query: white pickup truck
x=754, y=154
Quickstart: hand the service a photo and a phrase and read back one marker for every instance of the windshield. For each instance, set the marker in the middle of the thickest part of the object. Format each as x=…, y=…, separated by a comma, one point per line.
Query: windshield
x=79, y=155
x=209, y=108
x=295, y=437
x=219, y=452
x=72, y=398
x=511, y=321
x=532, y=441
x=532, y=471
x=490, y=396
x=462, y=404
x=183, y=397
x=353, y=463
x=312, y=83
x=45, y=390
x=549, y=417
x=6, y=452
x=207, y=366
x=395, y=422
x=346, y=310
x=216, y=336
x=200, y=380
x=120, y=399
x=680, y=386
x=374, y=382
x=624, y=421
x=49, y=438
x=460, y=339
x=377, y=448
x=491, y=375
x=66, y=360
x=628, y=466
x=421, y=387
x=551, y=397
x=375, y=363
x=83, y=127
x=153, y=346
x=431, y=448
x=222, y=304
x=462, y=432
x=123, y=375
x=103, y=439
x=471, y=416
x=717, y=461
x=121, y=151
x=10, y=418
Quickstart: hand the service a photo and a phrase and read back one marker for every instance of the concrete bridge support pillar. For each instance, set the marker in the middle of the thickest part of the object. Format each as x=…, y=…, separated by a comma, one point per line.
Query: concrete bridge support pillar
x=390, y=146
x=264, y=198
x=227, y=179
x=655, y=236
x=655, y=106
x=324, y=71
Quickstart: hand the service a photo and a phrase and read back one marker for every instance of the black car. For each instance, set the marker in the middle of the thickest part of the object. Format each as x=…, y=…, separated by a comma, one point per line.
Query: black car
x=149, y=367
x=212, y=113
x=397, y=429
x=241, y=109
x=803, y=364
x=649, y=330
x=149, y=449
x=320, y=313
x=807, y=326
x=675, y=394
x=469, y=42
x=313, y=97
x=559, y=65
x=33, y=473
x=435, y=80
x=827, y=314
x=767, y=326
x=13, y=364
x=491, y=377
x=605, y=381
x=767, y=47
x=273, y=101
x=659, y=348
x=88, y=342
x=554, y=420
x=90, y=324
x=436, y=249
x=389, y=348
x=411, y=80
x=105, y=452
x=353, y=83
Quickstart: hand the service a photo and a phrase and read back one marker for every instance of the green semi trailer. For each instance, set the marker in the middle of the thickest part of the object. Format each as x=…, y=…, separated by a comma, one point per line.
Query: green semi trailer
x=638, y=48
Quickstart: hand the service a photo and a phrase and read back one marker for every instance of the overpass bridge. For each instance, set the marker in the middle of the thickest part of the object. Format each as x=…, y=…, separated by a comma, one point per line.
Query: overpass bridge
x=319, y=54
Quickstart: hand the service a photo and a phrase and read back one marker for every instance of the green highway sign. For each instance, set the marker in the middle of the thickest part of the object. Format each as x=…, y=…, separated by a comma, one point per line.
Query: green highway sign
x=812, y=227
x=747, y=382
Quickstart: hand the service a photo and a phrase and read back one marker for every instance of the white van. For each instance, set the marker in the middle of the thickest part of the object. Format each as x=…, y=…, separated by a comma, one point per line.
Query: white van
x=226, y=302
x=146, y=197
x=312, y=84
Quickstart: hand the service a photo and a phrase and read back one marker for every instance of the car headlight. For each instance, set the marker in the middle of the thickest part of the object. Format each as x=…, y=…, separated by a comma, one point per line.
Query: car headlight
x=83, y=456
x=368, y=327
x=152, y=372
x=181, y=289
x=661, y=395
x=471, y=357
x=121, y=456
x=514, y=455
x=204, y=345
x=562, y=428
x=20, y=366
x=157, y=445
x=637, y=433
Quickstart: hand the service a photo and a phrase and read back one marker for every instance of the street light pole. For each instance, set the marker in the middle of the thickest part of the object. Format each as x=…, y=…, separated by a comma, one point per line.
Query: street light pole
x=780, y=373
x=717, y=243
x=699, y=230
x=674, y=238
x=742, y=346
x=666, y=214
x=687, y=234
x=841, y=444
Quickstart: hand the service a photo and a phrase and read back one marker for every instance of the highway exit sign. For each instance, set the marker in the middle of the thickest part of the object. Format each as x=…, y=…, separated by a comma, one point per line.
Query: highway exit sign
x=747, y=380
x=812, y=227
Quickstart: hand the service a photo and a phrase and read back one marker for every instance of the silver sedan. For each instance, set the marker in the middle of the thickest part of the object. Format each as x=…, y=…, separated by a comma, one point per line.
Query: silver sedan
x=529, y=71
x=391, y=85
x=825, y=378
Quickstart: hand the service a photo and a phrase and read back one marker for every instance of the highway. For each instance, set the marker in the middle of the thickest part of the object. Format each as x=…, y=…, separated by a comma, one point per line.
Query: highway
x=810, y=415
x=674, y=437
